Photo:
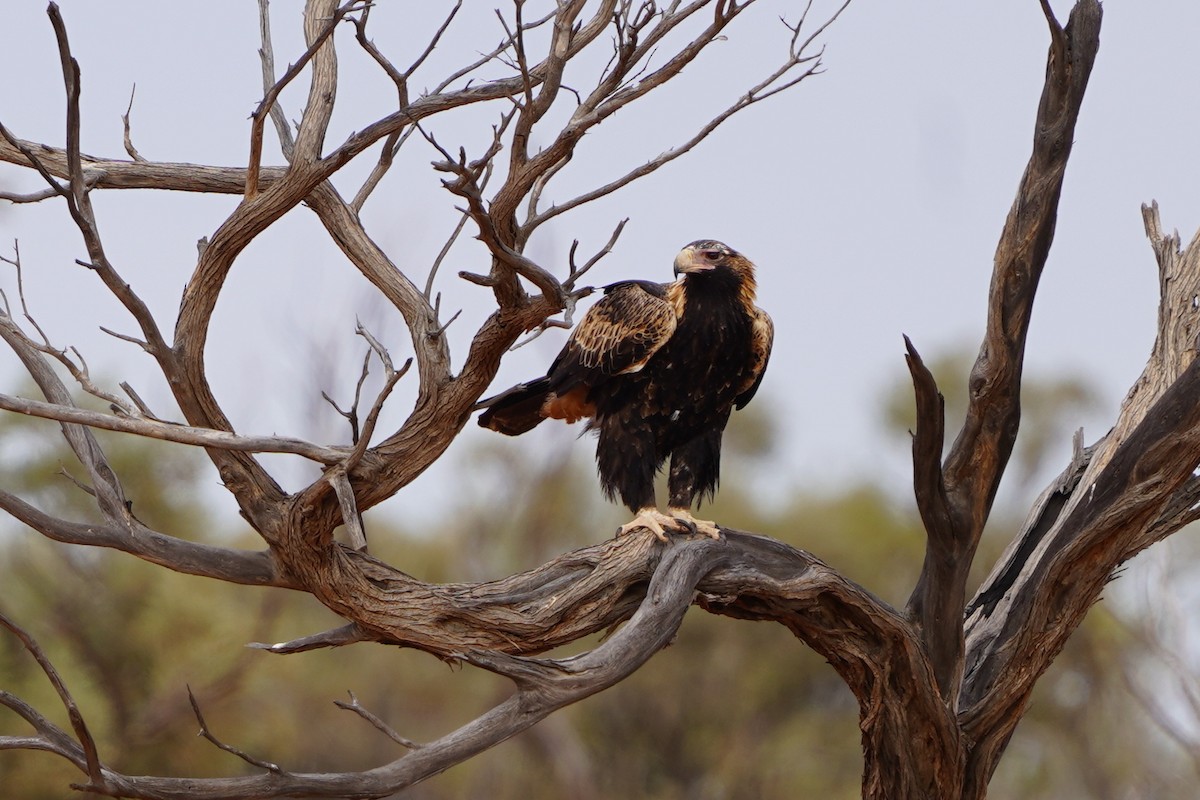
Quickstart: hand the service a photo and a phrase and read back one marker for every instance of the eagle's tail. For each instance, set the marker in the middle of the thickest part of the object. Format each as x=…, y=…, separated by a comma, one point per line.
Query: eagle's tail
x=517, y=410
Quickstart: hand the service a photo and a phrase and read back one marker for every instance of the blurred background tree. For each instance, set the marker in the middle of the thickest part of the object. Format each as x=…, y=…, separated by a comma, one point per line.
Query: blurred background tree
x=754, y=699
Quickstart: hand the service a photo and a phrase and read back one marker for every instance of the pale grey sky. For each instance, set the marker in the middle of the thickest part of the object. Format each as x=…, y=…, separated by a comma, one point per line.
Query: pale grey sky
x=871, y=198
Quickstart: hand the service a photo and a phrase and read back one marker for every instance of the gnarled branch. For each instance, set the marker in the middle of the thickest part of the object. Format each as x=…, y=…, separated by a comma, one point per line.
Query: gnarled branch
x=975, y=464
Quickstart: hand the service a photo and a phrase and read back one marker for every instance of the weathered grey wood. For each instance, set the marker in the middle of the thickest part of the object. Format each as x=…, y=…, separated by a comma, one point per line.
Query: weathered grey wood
x=579, y=592
x=940, y=685
x=967, y=482
x=1129, y=490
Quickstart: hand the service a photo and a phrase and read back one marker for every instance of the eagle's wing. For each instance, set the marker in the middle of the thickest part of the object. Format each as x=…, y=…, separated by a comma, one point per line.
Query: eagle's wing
x=618, y=335
x=763, y=335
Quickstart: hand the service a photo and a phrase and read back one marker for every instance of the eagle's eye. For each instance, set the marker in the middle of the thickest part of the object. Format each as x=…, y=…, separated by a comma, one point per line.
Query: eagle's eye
x=712, y=255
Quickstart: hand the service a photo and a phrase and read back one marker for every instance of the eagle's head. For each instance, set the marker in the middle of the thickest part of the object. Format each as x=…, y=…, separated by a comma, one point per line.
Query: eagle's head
x=710, y=260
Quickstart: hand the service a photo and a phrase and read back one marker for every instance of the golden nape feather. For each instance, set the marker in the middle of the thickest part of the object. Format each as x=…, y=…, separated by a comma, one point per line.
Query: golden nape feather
x=656, y=369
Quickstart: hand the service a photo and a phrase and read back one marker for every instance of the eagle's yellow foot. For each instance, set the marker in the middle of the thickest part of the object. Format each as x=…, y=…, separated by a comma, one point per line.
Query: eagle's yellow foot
x=678, y=520
x=706, y=526
x=652, y=520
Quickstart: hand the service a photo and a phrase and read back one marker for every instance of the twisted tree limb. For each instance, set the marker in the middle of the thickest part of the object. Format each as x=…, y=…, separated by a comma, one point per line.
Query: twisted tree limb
x=938, y=697
x=1129, y=490
x=742, y=575
x=956, y=498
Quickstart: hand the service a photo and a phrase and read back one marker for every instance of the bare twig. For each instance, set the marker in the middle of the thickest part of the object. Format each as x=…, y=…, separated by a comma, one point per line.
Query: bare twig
x=441, y=329
x=142, y=343
x=79, y=201
x=345, y=494
x=49, y=738
x=765, y=89
x=540, y=329
x=515, y=262
x=351, y=414
x=392, y=377
x=396, y=140
x=496, y=229
x=578, y=272
x=266, y=55
x=573, y=296
x=78, y=725
x=207, y=734
x=441, y=256
x=32, y=197
x=139, y=402
x=478, y=280
x=260, y=113
x=338, y=637
x=110, y=496
x=488, y=171
x=588, y=34
x=400, y=79
x=129, y=148
x=78, y=484
x=15, y=261
x=379, y=724
x=33, y=160
x=79, y=371
x=170, y=432
x=380, y=351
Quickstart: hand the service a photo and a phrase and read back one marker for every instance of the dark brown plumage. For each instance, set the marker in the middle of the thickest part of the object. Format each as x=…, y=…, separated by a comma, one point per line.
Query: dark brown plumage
x=656, y=369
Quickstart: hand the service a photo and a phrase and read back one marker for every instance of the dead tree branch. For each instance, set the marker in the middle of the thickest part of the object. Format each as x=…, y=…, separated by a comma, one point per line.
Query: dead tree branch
x=208, y=735
x=129, y=148
x=741, y=576
x=957, y=497
x=51, y=736
x=376, y=722
x=1131, y=489
x=328, y=23
x=168, y=432
x=938, y=696
x=266, y=54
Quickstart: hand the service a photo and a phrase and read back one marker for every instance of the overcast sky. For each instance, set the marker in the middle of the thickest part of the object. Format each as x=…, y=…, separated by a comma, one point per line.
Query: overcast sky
x=871, y=197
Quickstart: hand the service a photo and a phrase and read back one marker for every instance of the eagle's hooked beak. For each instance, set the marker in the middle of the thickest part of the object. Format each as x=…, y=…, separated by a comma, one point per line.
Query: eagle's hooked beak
x=690, y=260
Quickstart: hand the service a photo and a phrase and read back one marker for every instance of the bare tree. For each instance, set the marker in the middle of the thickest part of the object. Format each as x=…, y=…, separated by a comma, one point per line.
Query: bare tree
x=941, y=683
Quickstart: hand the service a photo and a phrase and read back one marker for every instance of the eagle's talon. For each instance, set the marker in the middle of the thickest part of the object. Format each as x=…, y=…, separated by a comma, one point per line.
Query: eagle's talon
x=652, y=520
x=705, y=526
x=689, y=525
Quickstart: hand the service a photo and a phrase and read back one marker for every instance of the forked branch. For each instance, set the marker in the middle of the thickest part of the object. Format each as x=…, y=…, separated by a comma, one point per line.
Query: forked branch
x=956, y=499
x=737, y=574
x=1126, y=492
x=267, y=104
x=52, y=738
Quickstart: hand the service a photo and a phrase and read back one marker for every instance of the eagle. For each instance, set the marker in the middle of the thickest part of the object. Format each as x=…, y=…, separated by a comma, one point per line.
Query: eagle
x=656, y=370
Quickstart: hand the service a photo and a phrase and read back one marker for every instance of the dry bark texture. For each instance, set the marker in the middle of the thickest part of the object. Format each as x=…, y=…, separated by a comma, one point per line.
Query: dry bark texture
x=941, y=684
